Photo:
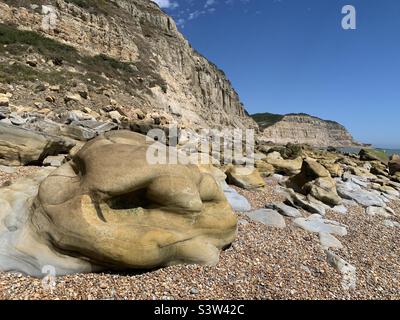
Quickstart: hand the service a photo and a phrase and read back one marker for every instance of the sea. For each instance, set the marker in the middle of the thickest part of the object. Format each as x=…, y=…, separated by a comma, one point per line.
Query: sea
x=356, y=150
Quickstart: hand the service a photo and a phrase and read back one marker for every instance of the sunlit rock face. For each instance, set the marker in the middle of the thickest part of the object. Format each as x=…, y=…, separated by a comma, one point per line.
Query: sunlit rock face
x=109, y=208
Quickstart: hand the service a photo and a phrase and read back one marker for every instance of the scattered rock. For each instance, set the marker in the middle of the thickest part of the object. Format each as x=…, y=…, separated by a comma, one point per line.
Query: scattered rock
x=329, y=241
x=351, y=191
x=285, y=210
x=72, y=97
x=268, y=217
x=4, y=100
x=54, y=161
x=243, y=177
x=391, y=224
x=20, y=146
x=347, y=270
x=289, y=167
x=315, y=223
x=237, y=201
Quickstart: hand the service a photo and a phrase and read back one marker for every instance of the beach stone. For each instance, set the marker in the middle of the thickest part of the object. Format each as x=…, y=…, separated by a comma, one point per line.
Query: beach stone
x=54, y=161
x=264, y=168
x=288, y=167
x=329, y=241
x=284, y=210
x=237, y=202
x=20, y=146
x=316, y=181
x=351, y=191
x=316, y=224
x=300, y=201
x=268, y=217
x=245, y=178
x=347, y=270
x=377, y=211
x=334, y=169
x=391, y=224
x=341, y=209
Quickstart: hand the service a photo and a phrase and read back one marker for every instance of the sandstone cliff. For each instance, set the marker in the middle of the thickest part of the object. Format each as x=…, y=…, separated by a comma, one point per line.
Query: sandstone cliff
x=138, y=60
x=303, y=128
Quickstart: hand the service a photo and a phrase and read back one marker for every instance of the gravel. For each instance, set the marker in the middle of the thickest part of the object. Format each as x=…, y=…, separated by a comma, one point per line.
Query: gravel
x=263, y=263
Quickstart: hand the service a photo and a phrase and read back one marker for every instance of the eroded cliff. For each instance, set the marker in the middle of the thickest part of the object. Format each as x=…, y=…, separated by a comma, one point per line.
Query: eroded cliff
x=155, y=68
x=303, y=128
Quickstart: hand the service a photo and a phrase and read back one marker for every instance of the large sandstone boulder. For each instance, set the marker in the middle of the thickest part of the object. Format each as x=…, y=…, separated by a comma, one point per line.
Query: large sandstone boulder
x=244, y=177
x=154, y=214
x=20, y=147
x=111, y=208
x=316, y=181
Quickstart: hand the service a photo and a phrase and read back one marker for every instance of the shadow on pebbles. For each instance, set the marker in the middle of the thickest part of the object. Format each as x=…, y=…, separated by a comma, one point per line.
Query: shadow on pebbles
x=263, y=263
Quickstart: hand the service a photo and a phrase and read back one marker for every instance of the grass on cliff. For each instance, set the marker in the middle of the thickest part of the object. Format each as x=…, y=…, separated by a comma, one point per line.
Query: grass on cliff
x=16, y=42
x=265, y=120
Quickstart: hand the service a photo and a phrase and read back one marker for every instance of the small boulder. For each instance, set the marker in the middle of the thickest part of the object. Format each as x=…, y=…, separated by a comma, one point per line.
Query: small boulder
x=243, y=177
x=268, y=217
x=284, y=210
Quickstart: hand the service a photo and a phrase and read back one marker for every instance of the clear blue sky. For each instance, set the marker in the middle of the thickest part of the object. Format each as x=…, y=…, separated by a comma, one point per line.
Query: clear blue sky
x=287, y=56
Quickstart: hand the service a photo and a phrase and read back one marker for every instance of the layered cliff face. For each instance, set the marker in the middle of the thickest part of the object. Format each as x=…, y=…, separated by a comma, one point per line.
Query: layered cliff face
x=302, y=128
x=155, y=68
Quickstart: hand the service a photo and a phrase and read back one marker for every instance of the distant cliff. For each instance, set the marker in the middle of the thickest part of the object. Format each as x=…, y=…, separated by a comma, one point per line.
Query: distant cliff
x=303, y=128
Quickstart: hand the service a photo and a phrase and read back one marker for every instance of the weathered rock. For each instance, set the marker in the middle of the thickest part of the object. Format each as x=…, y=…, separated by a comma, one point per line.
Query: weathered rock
x=54, y=161
x=324, y=189
x=316, y=181
x=268, y=217
x=328, y=241
x=334, y=169
x=289, y=167
x=20, y=249
x=284, y=210
x=236, y=201
x=72, y=97
x=351, y=191
x=243, y=177
x=300, y=201
x=116, y=209
x=264, y=168
x=341, y=209
x=4, y=100
x=377, y=211
x=347, y=270
x=315, y=223
x=20, y=146
x=391, y=224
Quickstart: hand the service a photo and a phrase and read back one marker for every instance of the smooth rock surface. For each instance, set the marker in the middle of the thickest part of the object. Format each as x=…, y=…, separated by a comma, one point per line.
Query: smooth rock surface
x=268, y=217
x=315, y=223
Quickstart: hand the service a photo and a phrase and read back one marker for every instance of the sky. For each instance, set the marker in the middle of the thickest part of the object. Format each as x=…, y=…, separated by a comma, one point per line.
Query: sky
x=285, y=56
